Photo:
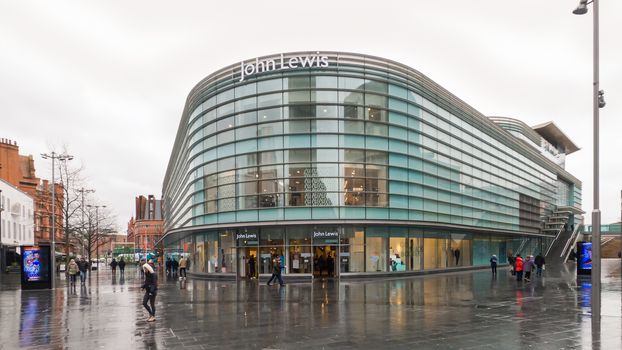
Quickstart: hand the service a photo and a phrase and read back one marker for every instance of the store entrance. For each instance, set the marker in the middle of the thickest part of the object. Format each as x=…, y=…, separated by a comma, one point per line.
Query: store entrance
x=324, y=261
x=247, y=262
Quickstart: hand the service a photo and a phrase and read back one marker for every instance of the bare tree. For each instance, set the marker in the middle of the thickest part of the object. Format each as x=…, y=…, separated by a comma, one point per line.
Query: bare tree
x=99, y=223
x=70, y=204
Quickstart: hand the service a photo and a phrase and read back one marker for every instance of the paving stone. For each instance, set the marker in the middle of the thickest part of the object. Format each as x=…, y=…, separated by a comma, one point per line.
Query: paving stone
x=467, y=310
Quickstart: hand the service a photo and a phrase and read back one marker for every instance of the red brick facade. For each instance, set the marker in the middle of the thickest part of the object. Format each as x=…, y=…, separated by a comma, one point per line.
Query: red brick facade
x=19, y=171
x=148, y=226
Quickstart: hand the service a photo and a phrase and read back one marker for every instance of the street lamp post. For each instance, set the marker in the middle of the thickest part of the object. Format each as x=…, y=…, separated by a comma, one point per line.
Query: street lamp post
x=598, y=102
x=54, y=156
x=97, y=230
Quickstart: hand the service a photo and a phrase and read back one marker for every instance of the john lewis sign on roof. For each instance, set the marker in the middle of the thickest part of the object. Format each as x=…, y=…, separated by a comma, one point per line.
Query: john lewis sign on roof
x=268, y=65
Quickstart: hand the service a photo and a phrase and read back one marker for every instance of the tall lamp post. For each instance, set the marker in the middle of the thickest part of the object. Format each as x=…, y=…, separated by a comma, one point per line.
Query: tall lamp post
x=599, y=102
x=96, y=230
x=61, y=157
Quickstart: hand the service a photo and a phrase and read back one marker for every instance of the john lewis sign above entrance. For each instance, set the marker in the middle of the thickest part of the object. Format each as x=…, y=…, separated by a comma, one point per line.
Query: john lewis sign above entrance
x=281, y=63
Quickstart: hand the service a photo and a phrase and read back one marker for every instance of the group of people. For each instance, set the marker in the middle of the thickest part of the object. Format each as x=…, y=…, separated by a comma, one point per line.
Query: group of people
x=74, y=268
x=172, y=266
x=121, y=264
x=325, y=264
x=523, y=268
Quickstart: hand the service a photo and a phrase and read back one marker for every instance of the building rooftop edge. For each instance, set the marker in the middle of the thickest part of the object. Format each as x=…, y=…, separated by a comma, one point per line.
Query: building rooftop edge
x=15, y=187
x=553, y=134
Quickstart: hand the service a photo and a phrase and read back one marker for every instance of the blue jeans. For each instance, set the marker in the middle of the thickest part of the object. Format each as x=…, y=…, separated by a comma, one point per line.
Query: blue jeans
x=82, y=276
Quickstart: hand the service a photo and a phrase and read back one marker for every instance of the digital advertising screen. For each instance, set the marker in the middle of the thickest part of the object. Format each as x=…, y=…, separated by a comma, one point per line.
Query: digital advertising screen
x=35, y=264
x=584, y=257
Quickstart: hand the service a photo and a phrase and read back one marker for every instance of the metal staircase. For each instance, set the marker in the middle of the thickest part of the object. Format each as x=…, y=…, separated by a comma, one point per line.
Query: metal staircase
x=561, y=246
x=570, y=244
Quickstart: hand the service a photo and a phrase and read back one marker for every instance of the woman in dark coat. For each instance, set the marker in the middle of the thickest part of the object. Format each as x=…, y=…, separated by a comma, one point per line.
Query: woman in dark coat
x=151, y=290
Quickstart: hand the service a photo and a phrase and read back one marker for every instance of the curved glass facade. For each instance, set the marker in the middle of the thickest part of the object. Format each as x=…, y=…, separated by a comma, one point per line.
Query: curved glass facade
x=372, y=152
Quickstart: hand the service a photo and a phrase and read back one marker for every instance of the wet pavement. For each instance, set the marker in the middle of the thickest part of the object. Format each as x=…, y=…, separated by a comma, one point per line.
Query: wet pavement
x=466, y=310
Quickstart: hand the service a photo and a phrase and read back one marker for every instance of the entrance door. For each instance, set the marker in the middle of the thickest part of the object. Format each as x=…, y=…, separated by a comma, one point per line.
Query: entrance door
x=324, y=261
x=247, y=262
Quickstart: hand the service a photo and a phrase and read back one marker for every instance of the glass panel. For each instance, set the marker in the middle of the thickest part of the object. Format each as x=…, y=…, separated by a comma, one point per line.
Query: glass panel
x=298, y=155
x=376, y=254
x=246, y=118
x=268, y=256
x=269, y=100
x=299, y=257
x=397, y=253
x=246, y=132
x=352, y=256
x=270, y=157
x=269, y=85
x=415, y=253
x=269, y=114
x=460, y=246
x=247, y=202
x=268, y=129
x=271, y=236
x=227, y=250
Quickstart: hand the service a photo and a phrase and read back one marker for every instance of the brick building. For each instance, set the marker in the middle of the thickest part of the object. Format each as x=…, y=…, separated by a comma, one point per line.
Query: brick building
x=19, y=170
x=108, y=241
x=147, y=226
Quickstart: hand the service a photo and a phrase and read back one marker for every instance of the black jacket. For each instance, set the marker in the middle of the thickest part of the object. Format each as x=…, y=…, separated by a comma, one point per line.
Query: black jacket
x=83, y=266
x=151, y=283
x=539, y=261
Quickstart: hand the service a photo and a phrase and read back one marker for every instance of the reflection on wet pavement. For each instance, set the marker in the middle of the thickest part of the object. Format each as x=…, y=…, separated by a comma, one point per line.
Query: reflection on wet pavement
x=460, y=310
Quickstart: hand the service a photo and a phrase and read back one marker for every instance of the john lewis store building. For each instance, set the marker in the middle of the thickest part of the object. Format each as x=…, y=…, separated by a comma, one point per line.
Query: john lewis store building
x=342, y=164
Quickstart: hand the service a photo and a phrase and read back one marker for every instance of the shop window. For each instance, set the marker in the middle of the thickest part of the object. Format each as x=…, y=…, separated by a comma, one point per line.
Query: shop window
x=352, y=256
x=247, y=202
x=376, y=248
x=398, y=257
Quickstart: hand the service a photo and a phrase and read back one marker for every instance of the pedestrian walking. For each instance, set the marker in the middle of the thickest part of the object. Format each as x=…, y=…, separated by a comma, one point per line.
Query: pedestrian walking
x=182, y=267
x=330, y=263
x=72, y=270
x=512, y=262
x=174, y=266
x=122, y=267
x=519, y=267
x=150, y=285
x=251, y=266
x=83, y=266
x=113, y=266
x=528, y=267
x=168, y=265
x=539, y=264
x=493, y=265
x=276, y=273
x=322, y=263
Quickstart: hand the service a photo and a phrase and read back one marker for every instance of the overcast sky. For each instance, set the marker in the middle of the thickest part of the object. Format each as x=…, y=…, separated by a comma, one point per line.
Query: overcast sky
x=109, y=79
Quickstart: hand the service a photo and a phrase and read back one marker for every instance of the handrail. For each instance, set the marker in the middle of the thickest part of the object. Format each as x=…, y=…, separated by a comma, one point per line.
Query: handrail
x=521, y=246
x=573, y=238
x=553, y=241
